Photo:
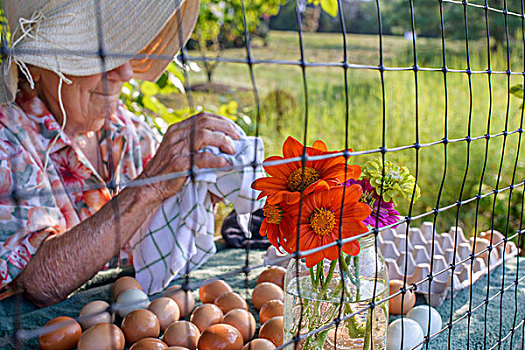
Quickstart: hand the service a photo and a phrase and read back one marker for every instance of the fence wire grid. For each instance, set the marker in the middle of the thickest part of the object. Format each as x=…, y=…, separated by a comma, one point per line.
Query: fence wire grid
x=512, y=338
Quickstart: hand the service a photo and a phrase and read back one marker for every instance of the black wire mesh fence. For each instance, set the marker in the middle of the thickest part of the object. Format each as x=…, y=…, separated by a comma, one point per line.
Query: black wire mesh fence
x=500, y=152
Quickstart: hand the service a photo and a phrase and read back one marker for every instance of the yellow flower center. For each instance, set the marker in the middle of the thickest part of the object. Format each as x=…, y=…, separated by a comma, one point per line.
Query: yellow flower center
x=322, y=221
x=273, y=213
x=295, y=182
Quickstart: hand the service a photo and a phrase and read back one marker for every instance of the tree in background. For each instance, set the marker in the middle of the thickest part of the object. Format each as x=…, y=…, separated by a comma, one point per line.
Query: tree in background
x=310, y=11
x=220, y=25
x=396, y=13
x=361, y=17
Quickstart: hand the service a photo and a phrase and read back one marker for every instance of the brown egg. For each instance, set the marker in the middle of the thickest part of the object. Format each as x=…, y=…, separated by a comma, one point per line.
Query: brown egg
x=166, y=310
x=271, y=309
x=93, y=313
x=102, y=336
x=122, y=284
x=184, y=299
x=273, y=330
x=61, y=333
x=394, y=304
x=496, y=238
x=221, y=337
x=259, y=344
x=182, y=333
x=149, y=344
x=243, y=321
x=230, y=301
x=206, y=315
x=265, y=292
x=140, y=324
x=211, y=289
x=273, y=274
x=177, y=348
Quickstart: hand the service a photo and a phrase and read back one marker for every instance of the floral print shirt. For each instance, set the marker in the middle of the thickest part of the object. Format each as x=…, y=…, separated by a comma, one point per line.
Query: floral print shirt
x=38, y=201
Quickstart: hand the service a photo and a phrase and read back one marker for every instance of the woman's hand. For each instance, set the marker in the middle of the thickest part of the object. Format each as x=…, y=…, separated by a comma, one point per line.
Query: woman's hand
x=175, y=152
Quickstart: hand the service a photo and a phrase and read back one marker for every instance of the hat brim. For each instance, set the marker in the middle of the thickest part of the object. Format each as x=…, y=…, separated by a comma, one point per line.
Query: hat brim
x=155, y=57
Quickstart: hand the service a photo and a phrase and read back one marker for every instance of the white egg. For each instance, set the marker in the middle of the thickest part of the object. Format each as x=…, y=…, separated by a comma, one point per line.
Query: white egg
x=131, y=300
x=412, y=335
x=420, y=315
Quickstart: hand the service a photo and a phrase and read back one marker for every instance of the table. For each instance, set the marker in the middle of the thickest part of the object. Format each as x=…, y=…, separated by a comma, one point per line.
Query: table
x=227, y=260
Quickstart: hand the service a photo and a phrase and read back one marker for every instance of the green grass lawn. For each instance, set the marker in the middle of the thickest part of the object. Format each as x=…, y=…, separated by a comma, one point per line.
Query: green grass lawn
x=283, y=112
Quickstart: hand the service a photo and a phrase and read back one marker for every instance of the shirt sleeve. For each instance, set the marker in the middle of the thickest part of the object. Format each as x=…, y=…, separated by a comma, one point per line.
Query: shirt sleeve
x=28, y=210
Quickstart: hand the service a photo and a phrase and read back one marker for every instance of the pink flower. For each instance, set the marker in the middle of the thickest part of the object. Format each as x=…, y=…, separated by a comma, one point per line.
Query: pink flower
x=384, y=215
x=73, y=173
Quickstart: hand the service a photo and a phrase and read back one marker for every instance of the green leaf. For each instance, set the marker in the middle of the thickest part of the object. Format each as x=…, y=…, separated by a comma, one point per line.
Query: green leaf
x=149, y=88
x=321, y=338
x=330, y=7
x=232, y=107
x=163, y=80
x=168, y=90
x=177, y=73
x=151, y=103
x=517, y=90
x=172, y=118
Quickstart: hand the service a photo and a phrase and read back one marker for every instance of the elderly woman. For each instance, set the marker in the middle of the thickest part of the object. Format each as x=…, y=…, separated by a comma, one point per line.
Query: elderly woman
x=66, y=142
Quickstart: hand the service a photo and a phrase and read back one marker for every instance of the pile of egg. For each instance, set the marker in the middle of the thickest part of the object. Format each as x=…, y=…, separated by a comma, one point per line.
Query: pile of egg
x=223, y=321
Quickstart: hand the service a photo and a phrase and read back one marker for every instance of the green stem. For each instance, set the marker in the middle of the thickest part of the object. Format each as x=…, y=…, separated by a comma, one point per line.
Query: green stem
x=358, y=281
x=314, y=322
x=368, y=330
x=345, y=269
x=319, y=275
x=337, y=289
x=328, y=278
x=354, y=330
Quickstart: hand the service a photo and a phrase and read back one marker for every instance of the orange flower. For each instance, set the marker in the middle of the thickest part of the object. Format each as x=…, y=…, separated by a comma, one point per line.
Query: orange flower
x=276, y=224
x=319, y=223
x=288, y=179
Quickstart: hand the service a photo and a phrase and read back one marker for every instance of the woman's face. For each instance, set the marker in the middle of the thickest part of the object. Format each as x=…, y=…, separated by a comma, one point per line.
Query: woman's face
x=87, y=100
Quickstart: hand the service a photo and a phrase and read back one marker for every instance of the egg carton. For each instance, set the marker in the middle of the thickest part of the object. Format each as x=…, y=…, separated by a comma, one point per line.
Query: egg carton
x=416, y=257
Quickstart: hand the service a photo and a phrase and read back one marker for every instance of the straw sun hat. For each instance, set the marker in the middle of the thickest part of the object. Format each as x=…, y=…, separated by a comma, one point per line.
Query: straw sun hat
x=69, y=36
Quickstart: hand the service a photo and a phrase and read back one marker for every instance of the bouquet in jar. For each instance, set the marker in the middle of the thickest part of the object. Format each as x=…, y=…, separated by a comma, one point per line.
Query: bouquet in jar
x=310, y=206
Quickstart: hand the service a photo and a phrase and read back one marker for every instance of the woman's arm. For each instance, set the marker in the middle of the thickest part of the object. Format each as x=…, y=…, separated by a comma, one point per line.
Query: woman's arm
x=66, y=261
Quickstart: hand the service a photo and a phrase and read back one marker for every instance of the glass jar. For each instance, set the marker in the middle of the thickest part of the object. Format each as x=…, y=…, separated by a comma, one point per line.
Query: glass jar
x=313, y=298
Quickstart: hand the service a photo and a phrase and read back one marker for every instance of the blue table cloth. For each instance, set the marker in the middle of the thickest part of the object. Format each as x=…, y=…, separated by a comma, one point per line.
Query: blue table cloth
x=488, y=323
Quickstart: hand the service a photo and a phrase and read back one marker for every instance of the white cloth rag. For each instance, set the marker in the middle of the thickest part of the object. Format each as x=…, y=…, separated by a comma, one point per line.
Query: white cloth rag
x=180, y=237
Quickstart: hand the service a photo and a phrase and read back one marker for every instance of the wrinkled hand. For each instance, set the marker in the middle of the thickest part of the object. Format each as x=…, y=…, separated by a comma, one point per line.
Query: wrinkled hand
x=175, y=151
